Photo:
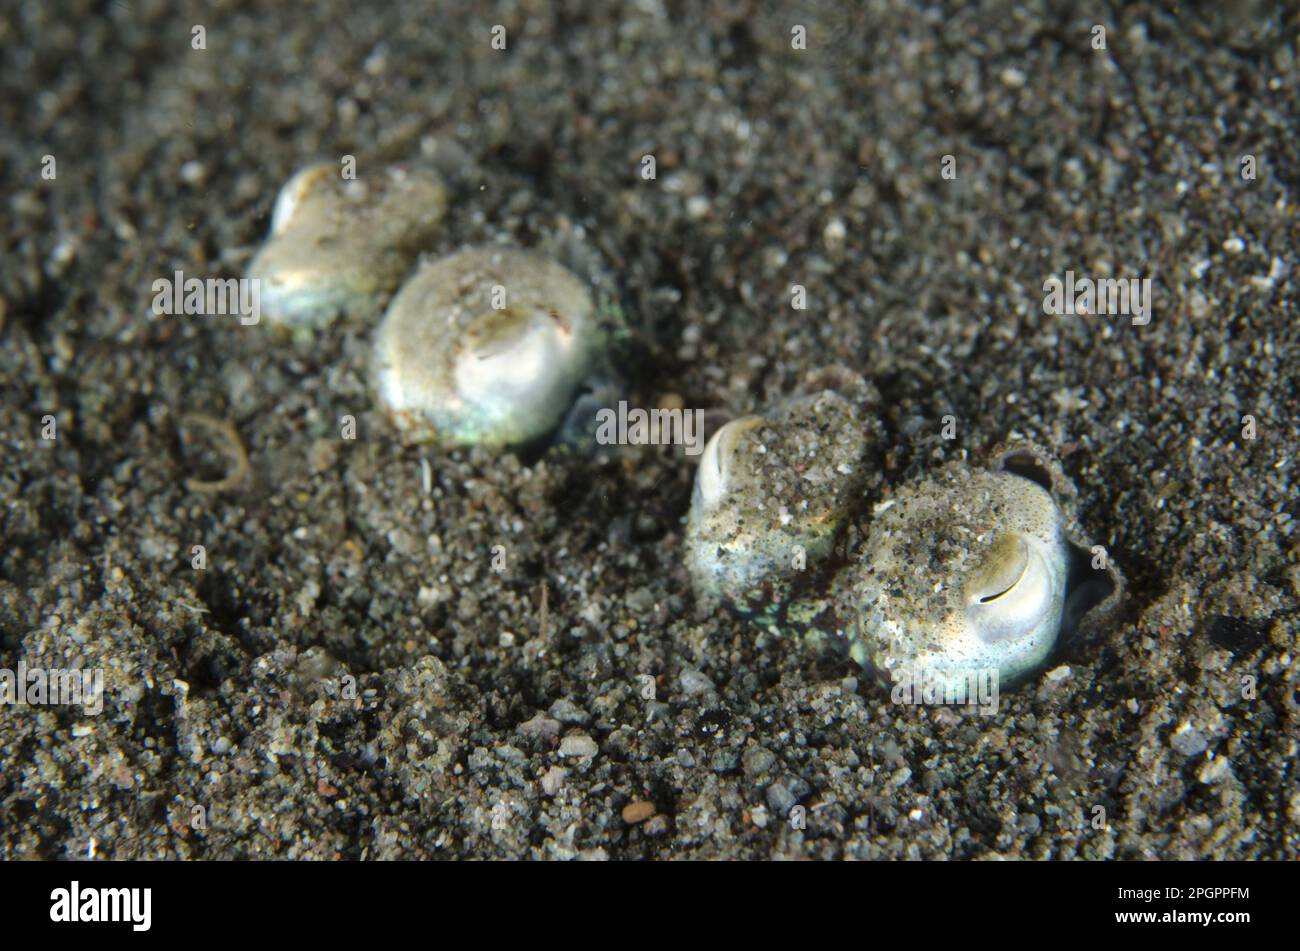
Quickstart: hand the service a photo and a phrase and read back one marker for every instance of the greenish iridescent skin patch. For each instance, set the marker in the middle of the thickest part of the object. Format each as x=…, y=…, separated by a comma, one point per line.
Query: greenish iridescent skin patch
x=797, y=617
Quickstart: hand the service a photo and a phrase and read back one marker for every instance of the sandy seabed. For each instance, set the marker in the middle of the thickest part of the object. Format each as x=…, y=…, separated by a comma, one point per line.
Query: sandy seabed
x=347, y=676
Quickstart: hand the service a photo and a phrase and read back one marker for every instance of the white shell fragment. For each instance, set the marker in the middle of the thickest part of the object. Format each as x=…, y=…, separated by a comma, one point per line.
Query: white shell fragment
x=966, y=572
x=486, y=346
x=337, y=244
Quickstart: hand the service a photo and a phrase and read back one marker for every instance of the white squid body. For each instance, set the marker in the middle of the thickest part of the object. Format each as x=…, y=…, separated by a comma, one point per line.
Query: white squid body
x=963, y=571
x=772, y=494
x=487, y=346
x=338, y=245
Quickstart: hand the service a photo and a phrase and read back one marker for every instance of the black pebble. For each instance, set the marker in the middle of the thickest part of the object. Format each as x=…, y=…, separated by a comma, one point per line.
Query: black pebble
x=1235, y=634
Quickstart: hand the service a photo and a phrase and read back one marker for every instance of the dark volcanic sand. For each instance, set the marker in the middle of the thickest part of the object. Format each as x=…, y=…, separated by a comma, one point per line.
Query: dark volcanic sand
x=820, y=167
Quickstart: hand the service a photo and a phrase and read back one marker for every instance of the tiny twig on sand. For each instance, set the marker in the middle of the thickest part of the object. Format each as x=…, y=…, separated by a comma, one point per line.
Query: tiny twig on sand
x=543, y=621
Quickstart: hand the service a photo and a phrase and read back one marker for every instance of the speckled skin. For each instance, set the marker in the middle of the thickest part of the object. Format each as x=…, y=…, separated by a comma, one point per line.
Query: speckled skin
x=452, y=370
x=336, y=245
x=963, y=570
x=772, y=495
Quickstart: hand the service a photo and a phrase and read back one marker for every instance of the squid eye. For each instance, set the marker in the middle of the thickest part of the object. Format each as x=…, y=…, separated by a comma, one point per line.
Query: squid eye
x=716, y=460
x=1001, y=569
x=511, y=355
x=1012, y=592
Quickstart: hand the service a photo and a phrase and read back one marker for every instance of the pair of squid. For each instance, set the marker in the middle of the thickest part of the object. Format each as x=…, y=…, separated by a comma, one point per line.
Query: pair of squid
x=964, y=570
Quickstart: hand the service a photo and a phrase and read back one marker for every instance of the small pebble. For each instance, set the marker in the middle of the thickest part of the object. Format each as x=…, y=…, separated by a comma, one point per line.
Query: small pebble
x=578, y=744
x=539, y=727
x=566, y=711
x=784, y=794
x=193, y=173
x=656, y=826
x=553, y=779
x=757, y=761
x=640, y=811
x=1215, y=770
x=1187, y=741
x=694, y=683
